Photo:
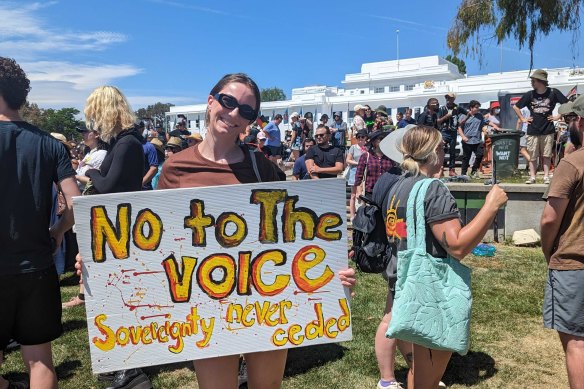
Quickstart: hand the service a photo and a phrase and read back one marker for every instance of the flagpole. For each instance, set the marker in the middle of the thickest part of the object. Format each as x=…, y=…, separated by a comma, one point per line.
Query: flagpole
x=397, y=46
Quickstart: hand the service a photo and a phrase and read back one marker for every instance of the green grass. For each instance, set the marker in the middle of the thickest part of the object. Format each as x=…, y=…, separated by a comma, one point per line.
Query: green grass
x=509, y=349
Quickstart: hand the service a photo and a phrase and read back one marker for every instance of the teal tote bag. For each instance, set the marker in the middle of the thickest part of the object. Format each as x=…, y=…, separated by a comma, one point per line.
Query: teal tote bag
x=433, y=299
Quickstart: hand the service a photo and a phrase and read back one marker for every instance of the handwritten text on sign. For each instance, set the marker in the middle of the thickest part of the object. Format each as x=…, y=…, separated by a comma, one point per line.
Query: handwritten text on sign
x=196, y=273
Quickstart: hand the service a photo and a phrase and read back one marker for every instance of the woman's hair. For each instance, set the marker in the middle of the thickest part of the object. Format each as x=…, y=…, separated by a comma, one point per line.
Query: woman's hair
x=419, y=148
x=108, y=112
x=241, y=78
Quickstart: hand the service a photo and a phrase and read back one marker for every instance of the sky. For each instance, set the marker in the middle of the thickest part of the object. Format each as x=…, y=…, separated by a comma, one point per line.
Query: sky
x=174, y=51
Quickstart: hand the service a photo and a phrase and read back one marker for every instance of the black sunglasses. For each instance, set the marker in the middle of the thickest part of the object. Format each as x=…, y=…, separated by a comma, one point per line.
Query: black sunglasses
x=230, y=102
x=320, y=135
x=570, y=118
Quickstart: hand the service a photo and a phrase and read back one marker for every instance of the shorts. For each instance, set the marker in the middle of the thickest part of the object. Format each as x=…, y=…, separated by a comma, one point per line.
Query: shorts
x=275, y=150
x=563, y=302
x=523, y=141
x=540, y=144
x=30, y=308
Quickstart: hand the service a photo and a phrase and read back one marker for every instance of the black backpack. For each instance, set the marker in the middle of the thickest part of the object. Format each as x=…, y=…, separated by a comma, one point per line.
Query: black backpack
x=371, y=250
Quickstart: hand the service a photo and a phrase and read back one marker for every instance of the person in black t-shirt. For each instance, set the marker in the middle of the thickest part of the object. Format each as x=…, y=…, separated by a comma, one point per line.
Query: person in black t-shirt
x=32, y=163
x=541, y=102
x=430, y=116
x=324, y=160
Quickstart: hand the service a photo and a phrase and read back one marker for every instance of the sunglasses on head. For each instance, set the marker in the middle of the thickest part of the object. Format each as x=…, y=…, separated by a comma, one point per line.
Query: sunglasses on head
x=570, y=117
x=230, y=102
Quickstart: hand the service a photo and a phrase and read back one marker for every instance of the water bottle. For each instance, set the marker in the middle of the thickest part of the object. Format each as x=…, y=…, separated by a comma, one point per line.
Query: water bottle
x=484, y=250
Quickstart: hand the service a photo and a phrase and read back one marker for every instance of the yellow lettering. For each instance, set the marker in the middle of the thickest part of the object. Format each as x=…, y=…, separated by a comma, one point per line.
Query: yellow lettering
x=278, y=257
x=237, y=237
x=268, y=199
x=302, y=264
x=102, y=232
x=110, y=339
x=197, y=222
x=152, y=241
x=179, y=283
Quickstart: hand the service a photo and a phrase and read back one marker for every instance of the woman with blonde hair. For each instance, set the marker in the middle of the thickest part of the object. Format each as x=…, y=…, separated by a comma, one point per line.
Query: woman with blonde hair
x=420, y=151
x=107, y=111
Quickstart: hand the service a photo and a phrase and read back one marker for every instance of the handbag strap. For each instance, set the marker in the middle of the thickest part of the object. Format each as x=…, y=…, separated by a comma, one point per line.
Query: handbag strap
x=415, y=219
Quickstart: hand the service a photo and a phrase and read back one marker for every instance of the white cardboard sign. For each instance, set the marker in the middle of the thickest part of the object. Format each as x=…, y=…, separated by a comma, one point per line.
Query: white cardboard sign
x=184, y=274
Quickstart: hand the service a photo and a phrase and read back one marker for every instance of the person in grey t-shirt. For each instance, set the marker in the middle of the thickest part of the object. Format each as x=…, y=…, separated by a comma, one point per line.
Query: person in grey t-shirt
x=470, y=128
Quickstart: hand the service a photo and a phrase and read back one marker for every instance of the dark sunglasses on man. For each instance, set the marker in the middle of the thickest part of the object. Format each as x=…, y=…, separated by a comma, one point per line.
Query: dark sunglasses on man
x=230, y=102
x=320, y=135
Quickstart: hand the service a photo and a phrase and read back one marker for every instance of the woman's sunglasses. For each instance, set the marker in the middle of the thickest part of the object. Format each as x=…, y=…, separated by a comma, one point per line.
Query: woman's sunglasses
x=230, y=102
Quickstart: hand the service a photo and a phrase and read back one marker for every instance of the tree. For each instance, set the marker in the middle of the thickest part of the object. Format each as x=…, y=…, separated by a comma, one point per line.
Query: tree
x=273, y=94
x=63, y=121
x=523, y=20
x=30, y=112
x=155, y=112
x=458, y=62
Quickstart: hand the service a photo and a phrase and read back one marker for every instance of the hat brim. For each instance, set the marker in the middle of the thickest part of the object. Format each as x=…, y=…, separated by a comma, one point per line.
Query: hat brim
x=566, y=108
x=390, y=145
x=540, y=78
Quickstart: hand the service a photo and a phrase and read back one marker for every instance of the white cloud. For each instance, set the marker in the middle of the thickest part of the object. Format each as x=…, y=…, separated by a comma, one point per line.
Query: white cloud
x=23, y=33
x=62, y=84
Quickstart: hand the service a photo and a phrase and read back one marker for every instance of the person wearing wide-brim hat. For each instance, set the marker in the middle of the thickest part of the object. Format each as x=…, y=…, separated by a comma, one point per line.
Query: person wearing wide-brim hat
x=540, y=124
x=372, y=164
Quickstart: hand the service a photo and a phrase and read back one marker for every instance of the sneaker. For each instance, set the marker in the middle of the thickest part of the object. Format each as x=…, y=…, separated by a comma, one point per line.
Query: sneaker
x=474, y=174
x=530, y=180
x=130, y=379
x=242, y=374
x=441, y=384
x=392, y=385
x=546, y=180
x=75, y=301
x=452, y=173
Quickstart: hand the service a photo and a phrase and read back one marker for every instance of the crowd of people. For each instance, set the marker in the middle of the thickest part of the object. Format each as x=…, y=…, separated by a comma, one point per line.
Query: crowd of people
x=381, y=162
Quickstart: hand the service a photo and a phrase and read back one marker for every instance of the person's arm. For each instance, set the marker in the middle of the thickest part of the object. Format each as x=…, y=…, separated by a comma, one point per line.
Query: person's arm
x=459, y=241
x=82, y=179
x=350, y=158
x=551, y=220
x=69, y=188
x=520, y=116
x=149, y=175
x=461, y=133
x=444, y=118
x=309, y=162
x=329, y=170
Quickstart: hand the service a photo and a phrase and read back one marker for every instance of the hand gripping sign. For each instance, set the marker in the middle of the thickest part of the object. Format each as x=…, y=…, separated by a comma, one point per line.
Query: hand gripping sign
x=184, y=274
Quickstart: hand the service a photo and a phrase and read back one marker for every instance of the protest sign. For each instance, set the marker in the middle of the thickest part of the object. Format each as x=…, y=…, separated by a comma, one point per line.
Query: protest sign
x=184, y=274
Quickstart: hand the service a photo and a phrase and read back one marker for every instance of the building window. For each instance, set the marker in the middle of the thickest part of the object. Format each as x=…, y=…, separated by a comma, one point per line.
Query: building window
x=362, y=91
x=402, y=110
x=352, y=92
x=394, y=89
x=379, y=90
x=409, y=87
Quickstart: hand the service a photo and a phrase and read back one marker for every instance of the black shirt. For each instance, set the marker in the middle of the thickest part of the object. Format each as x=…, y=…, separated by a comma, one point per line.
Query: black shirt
x=540, y=107
x=392, y=193
x=123, y=167
x=325, y=157
x=428, y=118
x=31, y=162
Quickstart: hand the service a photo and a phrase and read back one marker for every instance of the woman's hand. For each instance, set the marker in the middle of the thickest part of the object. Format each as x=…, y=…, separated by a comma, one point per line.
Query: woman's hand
x=348, y=279
x=496, y=197
x=79, y=266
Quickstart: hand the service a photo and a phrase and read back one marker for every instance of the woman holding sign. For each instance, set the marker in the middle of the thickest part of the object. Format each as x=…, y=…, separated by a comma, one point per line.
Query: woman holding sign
x=233, y=104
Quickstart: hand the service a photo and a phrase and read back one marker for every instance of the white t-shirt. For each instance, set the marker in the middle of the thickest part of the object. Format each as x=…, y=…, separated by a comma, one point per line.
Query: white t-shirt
x=92, y=160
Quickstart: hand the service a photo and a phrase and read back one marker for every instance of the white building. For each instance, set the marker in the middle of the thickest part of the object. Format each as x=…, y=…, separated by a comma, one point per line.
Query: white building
x=407, y=83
